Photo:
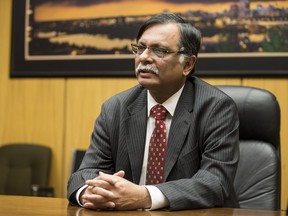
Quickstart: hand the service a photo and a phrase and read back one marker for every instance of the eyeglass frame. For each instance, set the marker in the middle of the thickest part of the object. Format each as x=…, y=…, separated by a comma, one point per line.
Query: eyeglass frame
x=164, y=52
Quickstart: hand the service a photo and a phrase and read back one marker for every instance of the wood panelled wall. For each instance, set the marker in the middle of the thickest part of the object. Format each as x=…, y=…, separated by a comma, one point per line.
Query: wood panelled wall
x=60, y=112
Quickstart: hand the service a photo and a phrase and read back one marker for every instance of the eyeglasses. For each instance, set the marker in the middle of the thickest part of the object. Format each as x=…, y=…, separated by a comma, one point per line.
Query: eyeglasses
x=158, y=51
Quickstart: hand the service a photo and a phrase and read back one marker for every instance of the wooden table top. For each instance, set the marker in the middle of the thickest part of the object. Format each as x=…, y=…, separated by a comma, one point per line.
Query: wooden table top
x=30, y=206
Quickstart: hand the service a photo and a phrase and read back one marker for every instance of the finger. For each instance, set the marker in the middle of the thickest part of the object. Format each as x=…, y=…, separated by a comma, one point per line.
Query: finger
x=103, y=206
x=94, y=198
x=97, y=201
x=102, y=192
x=111, y=179
x=120, y=173
x=97, y=183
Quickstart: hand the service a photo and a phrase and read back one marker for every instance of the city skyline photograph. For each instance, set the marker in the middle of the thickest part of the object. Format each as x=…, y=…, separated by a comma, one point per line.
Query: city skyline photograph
x=98, y=29
x=100, y=32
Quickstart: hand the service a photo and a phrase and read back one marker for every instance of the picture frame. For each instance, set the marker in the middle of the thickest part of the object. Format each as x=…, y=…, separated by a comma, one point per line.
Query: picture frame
x=32, y=57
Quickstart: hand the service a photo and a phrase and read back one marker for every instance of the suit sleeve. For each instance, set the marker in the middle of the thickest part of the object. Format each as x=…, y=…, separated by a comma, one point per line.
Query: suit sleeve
x=98, y=157
x=212, y=184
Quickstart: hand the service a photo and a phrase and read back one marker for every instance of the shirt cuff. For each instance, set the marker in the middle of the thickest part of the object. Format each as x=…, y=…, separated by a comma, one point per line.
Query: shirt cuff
x=78, y=194
x=158, y=199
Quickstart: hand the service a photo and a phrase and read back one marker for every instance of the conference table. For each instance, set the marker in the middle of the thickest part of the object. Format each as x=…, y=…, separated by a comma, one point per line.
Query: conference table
x=41, y=206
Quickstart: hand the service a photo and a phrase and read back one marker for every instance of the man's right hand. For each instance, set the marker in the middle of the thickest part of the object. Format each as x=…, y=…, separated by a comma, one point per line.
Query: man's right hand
x=98, y=196
x=108, y=192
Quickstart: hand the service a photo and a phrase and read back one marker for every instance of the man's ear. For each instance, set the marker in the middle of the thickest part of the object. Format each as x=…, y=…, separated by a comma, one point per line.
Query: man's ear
x=189, y=64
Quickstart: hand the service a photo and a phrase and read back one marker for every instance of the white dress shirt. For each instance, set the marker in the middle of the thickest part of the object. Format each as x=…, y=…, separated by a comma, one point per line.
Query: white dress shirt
x=158, y=200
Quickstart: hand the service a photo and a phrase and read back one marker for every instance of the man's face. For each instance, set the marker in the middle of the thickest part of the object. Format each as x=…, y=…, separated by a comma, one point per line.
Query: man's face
x=171, y=70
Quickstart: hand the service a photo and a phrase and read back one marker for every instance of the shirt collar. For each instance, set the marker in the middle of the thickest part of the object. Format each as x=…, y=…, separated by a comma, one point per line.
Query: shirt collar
x=169, y=104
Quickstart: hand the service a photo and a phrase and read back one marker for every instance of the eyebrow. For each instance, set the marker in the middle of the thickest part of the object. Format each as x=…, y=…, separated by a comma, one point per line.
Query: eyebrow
x=154, y=45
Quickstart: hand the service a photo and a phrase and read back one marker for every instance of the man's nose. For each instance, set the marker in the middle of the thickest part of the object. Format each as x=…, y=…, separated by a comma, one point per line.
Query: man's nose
x=146, y=55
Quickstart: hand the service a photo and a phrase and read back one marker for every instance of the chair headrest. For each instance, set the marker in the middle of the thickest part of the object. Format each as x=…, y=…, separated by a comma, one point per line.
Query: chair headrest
x=259, y=113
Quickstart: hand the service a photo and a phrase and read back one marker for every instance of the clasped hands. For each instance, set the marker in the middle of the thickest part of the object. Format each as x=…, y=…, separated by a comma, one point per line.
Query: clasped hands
x=108, y=192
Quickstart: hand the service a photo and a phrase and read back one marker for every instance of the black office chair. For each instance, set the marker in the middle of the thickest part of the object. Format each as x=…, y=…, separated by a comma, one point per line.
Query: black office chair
x=77, y=156
x=258, y=177
x=25, y=170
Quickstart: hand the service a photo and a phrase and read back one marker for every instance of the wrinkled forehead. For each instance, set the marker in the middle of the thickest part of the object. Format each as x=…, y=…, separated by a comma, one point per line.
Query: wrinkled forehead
x=148, y=25
x=162, y=31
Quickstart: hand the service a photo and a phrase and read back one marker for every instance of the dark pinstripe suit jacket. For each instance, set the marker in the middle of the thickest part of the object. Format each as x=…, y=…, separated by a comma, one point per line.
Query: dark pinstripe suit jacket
x=202, y=148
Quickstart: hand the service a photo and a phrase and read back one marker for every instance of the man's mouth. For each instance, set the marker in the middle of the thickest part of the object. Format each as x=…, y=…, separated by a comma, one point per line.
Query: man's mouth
x=146, y=71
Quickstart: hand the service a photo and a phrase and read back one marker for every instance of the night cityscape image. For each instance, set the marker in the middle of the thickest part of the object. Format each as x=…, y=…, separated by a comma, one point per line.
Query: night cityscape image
x=101, y=30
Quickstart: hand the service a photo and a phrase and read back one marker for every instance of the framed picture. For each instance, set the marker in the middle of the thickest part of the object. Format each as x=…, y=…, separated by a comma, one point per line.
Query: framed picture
x=60, y=38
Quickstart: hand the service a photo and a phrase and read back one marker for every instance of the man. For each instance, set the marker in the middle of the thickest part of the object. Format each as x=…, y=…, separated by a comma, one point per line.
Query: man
x=199, y=148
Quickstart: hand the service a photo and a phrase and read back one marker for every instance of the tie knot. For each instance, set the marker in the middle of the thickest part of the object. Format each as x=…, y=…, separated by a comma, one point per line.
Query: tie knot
x=159, y=112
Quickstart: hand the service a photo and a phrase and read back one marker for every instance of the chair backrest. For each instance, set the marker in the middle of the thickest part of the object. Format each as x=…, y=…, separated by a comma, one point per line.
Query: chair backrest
x=77, y=156
x=23, y=165
x=258, y=178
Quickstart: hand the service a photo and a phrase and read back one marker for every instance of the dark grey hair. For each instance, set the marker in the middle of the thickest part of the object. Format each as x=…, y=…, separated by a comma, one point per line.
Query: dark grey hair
x=190, y=38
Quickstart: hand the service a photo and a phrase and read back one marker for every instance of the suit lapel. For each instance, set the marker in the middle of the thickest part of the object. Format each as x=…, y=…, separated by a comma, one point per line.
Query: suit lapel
x=136, y=125
x=136, y=128
x=179, y=128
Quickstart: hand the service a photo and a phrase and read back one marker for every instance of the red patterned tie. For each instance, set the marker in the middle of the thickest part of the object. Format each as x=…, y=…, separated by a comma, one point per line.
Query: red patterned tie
x=157, y=147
